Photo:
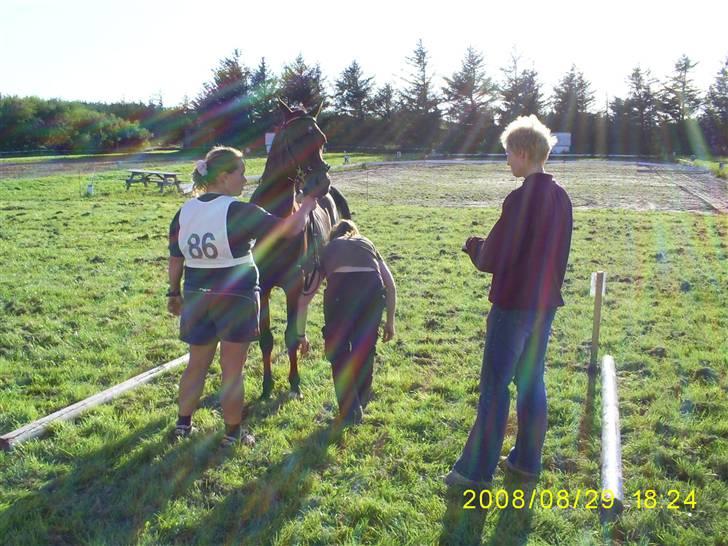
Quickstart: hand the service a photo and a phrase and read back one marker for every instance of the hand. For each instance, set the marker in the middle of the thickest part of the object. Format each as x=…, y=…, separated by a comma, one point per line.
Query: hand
x=388, y=331
x=308, y=202
x=317, y=184
x=174, y=305
x=468, y=241
x=303, y=345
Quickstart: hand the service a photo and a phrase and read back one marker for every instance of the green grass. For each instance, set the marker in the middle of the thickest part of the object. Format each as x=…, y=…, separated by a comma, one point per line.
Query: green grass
x=334, y=157
x=113, y=167
x=42, y=158
x=82, y=300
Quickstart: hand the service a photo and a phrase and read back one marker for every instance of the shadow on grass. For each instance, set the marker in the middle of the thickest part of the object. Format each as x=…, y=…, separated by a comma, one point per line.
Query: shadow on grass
x=108, y=496
x=461, y=526
x=465, y=526
x=514, y=524
x=586, y=426
x=257, y=512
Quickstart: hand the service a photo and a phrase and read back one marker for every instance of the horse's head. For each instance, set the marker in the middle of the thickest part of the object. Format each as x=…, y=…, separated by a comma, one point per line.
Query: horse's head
x=296, y=156
x=303, y=138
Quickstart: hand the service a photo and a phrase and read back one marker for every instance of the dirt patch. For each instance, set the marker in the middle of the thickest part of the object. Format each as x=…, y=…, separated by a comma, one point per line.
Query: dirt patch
x=590, y=183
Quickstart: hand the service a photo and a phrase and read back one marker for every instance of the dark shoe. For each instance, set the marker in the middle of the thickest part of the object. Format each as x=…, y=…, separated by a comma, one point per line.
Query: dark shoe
x=455, y=479
x=513, y=469
x=243, y=437
x=182, y=431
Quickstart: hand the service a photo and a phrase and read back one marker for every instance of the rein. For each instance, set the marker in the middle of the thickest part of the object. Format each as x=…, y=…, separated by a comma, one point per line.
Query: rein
x=310, y=281
x=302, y=175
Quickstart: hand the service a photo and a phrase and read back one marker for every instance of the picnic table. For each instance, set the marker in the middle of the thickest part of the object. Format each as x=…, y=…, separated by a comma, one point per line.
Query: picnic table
x=160, y=178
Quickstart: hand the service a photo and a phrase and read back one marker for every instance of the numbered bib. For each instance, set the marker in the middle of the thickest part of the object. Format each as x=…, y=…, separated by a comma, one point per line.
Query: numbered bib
x=203, y=236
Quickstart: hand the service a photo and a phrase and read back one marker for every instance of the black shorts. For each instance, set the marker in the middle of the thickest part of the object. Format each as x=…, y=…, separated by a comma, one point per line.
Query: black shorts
x=210, y=316
x=353, y=303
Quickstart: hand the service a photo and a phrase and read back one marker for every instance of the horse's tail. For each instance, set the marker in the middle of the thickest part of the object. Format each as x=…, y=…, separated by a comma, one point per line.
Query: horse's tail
x=341, y=203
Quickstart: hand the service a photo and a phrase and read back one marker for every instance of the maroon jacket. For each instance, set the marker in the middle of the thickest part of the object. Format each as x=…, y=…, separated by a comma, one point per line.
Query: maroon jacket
x=528, y=247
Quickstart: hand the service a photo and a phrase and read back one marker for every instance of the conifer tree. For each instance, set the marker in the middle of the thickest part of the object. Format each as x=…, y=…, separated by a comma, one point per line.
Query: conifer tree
x=353, y=92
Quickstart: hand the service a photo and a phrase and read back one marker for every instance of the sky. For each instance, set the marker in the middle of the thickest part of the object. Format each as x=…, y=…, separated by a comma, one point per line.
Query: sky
x=137, y=50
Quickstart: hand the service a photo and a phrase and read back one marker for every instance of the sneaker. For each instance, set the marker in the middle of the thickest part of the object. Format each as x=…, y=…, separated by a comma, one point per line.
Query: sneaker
x=182, y=431
x=244, y=437
x=455, y=479
x=513, y=469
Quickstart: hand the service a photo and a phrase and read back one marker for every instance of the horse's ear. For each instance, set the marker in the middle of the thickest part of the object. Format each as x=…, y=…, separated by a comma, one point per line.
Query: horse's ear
x=318, y=110
x=284, y=107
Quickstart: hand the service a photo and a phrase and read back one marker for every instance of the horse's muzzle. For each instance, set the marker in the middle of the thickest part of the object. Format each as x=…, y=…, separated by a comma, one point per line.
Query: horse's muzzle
x=317, y=183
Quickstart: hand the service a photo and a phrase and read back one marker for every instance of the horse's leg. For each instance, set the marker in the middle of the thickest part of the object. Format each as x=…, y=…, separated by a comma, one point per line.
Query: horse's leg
x=293, y=295
x=266, y=343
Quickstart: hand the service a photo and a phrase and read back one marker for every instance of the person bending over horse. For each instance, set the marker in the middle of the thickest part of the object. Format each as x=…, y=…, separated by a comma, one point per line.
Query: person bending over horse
x=210, y=240
x=359, y=287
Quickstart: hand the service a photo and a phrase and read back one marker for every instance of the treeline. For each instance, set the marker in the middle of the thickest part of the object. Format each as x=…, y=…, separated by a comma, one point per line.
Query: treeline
x=35, y=124
x=465, y=115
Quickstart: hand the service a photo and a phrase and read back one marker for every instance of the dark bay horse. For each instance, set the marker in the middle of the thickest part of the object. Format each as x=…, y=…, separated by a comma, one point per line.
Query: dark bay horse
x=295, y=160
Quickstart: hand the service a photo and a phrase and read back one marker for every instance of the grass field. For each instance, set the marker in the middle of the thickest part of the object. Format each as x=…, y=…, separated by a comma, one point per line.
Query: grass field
x=87, y=167
x=82, y=303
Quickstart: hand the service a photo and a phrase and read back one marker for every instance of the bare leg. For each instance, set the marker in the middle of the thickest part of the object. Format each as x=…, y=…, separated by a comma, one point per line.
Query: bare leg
x=232, y=360
x=192, y=381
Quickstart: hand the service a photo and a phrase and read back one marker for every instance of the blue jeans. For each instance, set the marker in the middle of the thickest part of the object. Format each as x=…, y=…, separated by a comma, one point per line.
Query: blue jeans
x=515, y=348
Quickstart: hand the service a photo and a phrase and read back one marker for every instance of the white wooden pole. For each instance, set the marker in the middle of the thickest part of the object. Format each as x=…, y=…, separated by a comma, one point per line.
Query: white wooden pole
x=36, y=428
x=599, y=288
x=611, y=440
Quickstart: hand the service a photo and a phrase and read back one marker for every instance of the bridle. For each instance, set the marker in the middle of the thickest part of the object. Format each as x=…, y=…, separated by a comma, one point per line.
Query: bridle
x=302, y=174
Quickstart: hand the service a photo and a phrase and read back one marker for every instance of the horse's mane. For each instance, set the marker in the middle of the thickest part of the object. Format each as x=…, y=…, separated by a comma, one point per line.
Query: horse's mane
x=275, y=192
x=274, y=189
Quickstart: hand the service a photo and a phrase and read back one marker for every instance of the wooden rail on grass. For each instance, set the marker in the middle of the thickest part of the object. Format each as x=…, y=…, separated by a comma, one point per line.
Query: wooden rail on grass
x=611, y=441
x=36, y=428
x=598, y=292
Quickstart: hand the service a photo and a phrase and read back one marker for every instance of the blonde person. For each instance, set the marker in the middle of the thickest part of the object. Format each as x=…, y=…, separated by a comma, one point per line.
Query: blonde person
x=210, y=242
x=359, y=287
x=526, y=251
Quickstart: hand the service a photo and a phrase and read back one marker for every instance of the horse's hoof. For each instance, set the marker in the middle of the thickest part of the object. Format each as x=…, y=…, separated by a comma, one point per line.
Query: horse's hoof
x=295, y=393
